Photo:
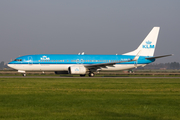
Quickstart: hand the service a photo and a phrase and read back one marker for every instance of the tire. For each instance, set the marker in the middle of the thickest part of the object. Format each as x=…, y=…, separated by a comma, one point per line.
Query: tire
x=83, y=75
x=24, y=74
x=91, y=74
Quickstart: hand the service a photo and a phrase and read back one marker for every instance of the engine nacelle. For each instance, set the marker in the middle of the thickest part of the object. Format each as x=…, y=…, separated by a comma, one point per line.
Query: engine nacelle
x=61, y=72
x=77, y=70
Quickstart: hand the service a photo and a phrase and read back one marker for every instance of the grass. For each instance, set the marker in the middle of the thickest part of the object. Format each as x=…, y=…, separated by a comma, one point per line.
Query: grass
x=89, y=98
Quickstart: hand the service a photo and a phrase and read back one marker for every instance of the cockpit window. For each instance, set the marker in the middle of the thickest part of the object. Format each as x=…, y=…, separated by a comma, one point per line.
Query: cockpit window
x=18, y=60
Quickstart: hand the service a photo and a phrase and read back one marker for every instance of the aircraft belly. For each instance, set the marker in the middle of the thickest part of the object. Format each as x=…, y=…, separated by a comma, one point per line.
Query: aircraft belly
x=41, y=67
x=64, y=67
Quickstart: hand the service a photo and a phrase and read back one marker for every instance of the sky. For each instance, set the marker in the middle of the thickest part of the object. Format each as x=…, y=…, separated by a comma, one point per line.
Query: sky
x=90, y=26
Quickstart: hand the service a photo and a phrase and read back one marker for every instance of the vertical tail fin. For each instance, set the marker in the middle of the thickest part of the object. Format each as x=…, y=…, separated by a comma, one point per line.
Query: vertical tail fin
x=147, y=47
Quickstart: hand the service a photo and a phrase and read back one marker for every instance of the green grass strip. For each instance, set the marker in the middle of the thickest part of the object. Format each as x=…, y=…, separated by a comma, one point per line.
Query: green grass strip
x=89, y=99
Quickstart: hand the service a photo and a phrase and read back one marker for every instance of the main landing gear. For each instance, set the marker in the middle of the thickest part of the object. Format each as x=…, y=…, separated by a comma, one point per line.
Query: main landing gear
x=24, y=74
x=83, y=75
x=91, y=74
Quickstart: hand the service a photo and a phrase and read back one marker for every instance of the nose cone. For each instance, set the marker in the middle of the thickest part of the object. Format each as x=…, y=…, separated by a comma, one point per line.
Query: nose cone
x=10, y=64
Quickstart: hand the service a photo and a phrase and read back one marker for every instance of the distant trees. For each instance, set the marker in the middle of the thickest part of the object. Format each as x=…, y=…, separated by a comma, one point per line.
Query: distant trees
x=3, y=65
x=172, y=65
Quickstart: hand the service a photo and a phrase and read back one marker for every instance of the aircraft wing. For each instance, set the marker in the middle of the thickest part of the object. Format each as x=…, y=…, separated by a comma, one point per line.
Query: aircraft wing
x=104, y=65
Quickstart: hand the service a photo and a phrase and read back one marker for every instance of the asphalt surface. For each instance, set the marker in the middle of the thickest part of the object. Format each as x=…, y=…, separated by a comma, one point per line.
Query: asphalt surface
x=76, y=77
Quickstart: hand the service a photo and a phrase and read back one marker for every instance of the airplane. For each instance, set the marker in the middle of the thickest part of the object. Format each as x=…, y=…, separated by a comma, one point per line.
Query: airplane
x=81, y=64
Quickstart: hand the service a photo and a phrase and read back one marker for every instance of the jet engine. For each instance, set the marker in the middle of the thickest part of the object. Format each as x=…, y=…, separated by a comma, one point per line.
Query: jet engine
x=77, y=70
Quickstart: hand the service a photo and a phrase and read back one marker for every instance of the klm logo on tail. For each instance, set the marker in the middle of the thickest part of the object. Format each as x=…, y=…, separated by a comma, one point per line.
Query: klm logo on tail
x=148, y=45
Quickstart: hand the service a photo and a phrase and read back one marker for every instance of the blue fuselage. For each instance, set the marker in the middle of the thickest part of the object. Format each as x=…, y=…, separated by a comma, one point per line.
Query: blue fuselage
x=78, y=59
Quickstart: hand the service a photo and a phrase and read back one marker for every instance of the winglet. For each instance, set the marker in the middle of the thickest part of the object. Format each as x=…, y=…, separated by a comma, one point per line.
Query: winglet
x=137, y=56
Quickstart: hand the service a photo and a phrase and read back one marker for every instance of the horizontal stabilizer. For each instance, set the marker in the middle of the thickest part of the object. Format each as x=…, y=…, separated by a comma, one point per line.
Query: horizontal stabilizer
x=159, y=56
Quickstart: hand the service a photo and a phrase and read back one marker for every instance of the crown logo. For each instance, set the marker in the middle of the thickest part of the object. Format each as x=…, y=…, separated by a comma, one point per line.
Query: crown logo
x=148, y=42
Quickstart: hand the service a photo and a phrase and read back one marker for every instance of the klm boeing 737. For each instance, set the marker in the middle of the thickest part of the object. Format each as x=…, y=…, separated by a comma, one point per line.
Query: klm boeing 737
x=82, y=64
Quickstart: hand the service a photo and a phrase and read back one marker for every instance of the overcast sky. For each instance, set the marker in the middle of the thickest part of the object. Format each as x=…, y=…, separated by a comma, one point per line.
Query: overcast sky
x=90, y=26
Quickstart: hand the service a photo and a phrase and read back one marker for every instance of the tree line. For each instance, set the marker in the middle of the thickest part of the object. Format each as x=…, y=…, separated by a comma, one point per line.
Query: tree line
x=3, y=66
x=163, y=66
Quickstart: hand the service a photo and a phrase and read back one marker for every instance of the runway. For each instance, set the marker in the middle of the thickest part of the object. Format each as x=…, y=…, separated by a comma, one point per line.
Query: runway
x=77, y=77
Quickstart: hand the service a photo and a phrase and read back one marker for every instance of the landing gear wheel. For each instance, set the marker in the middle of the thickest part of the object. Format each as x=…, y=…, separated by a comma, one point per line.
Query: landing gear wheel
x=24, y=74
x=83, y=75
x=91, y=74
